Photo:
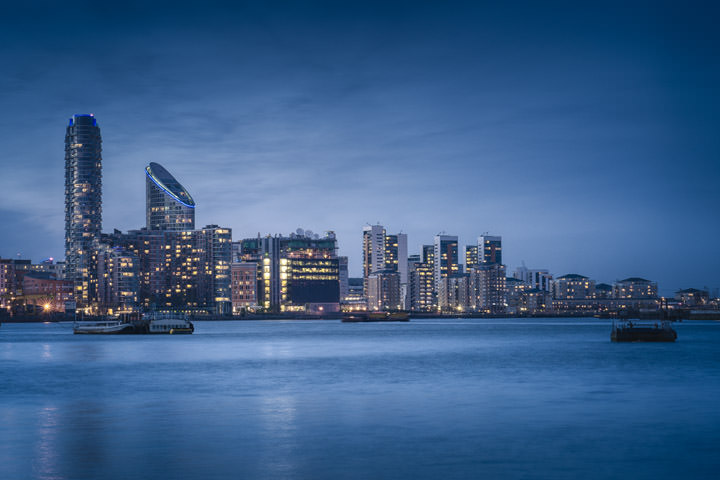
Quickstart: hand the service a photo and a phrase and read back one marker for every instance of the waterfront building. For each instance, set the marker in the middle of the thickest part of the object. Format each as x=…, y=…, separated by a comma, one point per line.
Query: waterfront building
x=533, y=301
x=421, y=287
x=489, y=250
x=573, y=292
x=635, y=288
x=535, y=278
x=574, y=287
x=45, y=292
x=118, y=279
x=299, y=273
x=186, y=271
x=168, y=205
x=384, y=291
x=487, y=289
x=83, y=204
x=454, y=294
x=692, y=297
x=445, y=258
x=26, y=287
x=514, y=288
x=355, y=299
x=243, y=285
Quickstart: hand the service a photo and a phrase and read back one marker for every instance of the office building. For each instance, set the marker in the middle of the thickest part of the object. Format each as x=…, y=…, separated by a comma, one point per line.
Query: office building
x=83, y=204
x=168, y=205
x=300, y=272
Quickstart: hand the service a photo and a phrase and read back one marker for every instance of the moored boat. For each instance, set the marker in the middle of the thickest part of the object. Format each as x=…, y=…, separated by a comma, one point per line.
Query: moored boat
x=169, y=323
x=106, y=327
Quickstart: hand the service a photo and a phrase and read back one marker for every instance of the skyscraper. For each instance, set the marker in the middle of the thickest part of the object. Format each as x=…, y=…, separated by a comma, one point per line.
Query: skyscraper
x=83, y=204
x=168, y=205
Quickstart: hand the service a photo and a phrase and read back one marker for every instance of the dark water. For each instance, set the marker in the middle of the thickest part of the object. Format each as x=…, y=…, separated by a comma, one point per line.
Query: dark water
x=324, y=400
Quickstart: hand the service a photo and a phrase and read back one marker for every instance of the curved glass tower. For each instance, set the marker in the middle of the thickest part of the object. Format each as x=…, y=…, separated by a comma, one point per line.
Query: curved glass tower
x=83, y=203
x=168, y=205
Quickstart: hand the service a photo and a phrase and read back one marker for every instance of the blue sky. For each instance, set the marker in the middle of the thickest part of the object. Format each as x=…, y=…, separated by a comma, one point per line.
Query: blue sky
x=585, y=135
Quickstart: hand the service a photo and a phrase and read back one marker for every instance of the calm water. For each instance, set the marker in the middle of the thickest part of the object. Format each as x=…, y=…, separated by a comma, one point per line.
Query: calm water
x=435, y=399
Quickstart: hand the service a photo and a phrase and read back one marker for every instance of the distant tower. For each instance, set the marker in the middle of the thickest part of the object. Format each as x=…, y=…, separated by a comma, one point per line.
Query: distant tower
x=168, y=205
x=489, y=250
x=83, y=203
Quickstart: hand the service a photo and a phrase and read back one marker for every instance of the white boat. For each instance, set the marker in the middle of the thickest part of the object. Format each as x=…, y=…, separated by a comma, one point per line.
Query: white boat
x=103, y=327
x=172, y=323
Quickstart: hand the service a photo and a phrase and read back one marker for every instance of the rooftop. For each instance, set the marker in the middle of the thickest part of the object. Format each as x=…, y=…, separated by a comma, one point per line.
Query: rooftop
x=165, y=181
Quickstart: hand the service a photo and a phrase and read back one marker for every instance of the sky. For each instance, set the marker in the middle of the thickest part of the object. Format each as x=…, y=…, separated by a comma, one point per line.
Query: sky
x=585, y=135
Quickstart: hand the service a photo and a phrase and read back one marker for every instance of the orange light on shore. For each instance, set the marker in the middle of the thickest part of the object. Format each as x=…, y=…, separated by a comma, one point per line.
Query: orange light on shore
x=46, y=307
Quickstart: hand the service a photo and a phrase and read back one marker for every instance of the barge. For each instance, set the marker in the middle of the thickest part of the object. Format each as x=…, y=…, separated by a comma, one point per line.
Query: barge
x=638, y=331
x=360, y=317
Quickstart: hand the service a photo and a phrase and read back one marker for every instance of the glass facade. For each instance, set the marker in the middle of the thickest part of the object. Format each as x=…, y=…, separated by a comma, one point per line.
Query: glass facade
x=168, y=205
x=83, y=204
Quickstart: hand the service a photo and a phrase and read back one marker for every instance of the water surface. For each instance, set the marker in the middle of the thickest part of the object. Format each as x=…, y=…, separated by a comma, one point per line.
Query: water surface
x=428, y=399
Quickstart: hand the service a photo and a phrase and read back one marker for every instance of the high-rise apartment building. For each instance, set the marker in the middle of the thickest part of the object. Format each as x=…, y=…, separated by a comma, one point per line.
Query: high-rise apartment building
x=168, y=205
x=83, y=204
x=471, y=256
x=373, y=251
x=489, y=250
x=445, y=258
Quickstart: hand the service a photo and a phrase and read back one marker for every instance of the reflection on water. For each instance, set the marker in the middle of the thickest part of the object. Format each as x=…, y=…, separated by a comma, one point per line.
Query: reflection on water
x=428, y=399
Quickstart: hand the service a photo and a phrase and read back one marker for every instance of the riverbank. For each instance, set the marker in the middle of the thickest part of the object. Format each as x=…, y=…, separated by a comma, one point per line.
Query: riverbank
x=671, y=315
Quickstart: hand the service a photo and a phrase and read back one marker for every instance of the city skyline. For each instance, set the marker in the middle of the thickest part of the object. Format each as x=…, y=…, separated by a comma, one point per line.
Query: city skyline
x=487, y=146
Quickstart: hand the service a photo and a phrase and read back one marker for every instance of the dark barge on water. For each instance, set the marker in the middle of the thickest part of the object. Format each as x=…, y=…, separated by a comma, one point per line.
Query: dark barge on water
x=642, y=331
x=357, y=317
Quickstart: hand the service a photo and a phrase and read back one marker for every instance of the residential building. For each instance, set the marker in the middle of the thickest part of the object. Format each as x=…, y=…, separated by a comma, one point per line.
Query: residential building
x=540, y=279
x=635, y=288
x=471, y=256
x=83, y=204
x=692, y=297
x=489, y=250
x=487, y=289
x=384, y=291
x=454, y=294
x=168, y=205
x=421, y=287
x=118, y=279
x=445, y=258
x=243, y=284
